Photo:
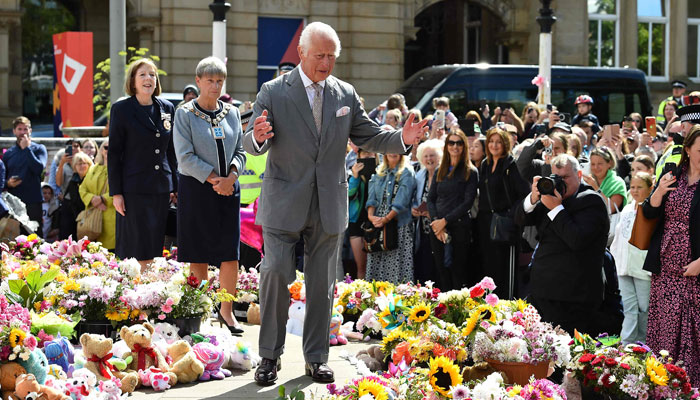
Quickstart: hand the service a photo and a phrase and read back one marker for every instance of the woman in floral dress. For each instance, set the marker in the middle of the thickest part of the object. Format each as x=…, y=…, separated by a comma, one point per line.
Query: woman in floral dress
x=674, y=259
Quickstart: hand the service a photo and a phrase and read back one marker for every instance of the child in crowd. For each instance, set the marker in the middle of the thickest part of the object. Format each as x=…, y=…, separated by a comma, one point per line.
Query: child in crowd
x=584, y=105
x=49, y=220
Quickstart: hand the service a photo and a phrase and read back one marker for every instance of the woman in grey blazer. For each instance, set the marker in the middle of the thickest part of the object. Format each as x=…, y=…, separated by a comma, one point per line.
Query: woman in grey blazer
x=210, y=155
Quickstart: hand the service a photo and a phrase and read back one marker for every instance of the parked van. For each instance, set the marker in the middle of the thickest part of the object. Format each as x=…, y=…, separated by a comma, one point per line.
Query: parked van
x=616, y=91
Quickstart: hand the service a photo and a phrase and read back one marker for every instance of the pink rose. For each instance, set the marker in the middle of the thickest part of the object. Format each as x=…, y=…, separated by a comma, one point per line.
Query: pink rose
x=487, y=284
x=161, y=316
x=492, y=299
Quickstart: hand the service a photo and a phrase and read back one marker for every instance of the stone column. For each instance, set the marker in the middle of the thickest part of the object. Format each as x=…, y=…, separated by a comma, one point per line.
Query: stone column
x=628, y=33
x=4, y=65
x=117, y=43
x=10, y=66
x=678, y=40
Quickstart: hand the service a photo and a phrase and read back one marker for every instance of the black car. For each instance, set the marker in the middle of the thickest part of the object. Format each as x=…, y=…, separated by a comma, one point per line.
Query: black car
x=616, y=91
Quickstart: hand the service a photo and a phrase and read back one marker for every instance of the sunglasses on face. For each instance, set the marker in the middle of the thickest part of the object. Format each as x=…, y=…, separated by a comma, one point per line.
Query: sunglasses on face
x=455, y=143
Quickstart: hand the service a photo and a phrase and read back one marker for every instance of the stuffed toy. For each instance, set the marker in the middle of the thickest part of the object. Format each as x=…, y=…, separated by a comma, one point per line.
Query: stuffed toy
x=212, y=357
x=90, y=378
x=154, y=378
x=480, y=371
x=336, y=336
x=242, y=356
x=37, y=364
x=138, y=338
x=8, y=376
x=120, y=363
x=253, y=314
x=295, y=323
x=26, y=386
x=111, y=390
x=373, y=357
x=185, y=363
x=120, y=348
x=79, y=387
x=57, y=384
x=55, y=355
x=56, y=372
x=571, y=386
x=97, y=351
x=167, y=332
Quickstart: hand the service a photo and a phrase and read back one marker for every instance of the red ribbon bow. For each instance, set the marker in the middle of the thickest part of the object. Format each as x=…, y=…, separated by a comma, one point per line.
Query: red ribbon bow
x=143, y=352
x=105, y=366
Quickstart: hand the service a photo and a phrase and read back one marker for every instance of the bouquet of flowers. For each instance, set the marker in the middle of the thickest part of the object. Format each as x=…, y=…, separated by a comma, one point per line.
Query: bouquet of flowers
x=247, y=288
x=25, y=247
x=630, y=371
x=355, y=296
x=16, y=341
x=456, y=306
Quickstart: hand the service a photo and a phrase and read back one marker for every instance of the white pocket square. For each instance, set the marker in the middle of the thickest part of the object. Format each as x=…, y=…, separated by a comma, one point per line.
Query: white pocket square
x=342, y=112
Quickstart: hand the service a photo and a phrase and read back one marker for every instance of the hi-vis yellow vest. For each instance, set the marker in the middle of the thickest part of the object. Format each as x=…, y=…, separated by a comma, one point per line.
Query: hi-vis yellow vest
x=251, y=178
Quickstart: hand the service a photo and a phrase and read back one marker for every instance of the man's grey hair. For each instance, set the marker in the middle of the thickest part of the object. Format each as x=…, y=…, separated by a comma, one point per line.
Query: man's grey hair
x=564, y=160
x=211, y=66
x=321, y=29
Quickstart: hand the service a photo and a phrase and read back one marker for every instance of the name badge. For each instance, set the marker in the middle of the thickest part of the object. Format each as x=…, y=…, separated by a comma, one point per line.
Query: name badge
x=218, y=132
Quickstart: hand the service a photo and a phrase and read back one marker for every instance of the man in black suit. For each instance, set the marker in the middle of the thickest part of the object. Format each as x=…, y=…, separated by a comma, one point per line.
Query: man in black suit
x=566, y=276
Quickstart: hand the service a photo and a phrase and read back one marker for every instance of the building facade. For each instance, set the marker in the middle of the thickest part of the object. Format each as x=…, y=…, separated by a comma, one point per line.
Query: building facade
x=383, y=41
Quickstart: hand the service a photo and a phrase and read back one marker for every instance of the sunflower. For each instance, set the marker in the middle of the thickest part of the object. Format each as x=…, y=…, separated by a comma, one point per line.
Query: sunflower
x=382, y=287
x=382, y=317
x=419, y=313
x=657, y=372
x=443, y=375
x=473, y=319
x=17, y=337
x=373, y=388
x=487, y=313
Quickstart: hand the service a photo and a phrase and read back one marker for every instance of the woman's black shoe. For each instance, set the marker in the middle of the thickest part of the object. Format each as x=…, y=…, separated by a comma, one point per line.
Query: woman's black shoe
x=222, y=321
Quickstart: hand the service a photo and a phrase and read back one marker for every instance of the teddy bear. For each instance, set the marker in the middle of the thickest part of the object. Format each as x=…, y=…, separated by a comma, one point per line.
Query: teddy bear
x=8, y=376
x=37, y=364
x=79, y=387
x=90, y=378
x=139, y=339
x=97, y=351
x=253, y=314
x=480, y=371
x=373, y=357
x=26, y=384
x=295, y=323
x=212, y=357
x=336, y=335
x=185, y=363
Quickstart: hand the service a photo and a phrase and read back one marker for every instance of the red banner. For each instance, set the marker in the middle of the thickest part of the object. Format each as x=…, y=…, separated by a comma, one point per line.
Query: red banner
x=73, y=74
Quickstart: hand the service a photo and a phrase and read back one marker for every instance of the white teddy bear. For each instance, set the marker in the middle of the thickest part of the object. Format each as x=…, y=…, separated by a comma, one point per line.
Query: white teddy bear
x=295, y=323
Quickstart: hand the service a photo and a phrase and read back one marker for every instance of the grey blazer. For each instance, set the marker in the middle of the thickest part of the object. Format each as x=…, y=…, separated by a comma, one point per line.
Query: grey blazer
x=195, y=147
x=301, y=164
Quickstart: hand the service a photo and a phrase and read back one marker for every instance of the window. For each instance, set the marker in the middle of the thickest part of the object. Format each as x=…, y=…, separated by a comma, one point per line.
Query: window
x=458, y=102
x=652, y=50
x=603, y=33
x=693, y=42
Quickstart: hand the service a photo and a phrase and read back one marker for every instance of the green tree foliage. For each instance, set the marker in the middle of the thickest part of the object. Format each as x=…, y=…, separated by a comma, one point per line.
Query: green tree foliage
x=41, y=19
x=101, y=100
x=657, y=48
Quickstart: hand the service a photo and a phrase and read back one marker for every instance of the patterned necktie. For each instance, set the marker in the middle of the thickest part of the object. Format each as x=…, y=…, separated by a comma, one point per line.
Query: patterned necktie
x=318, y=106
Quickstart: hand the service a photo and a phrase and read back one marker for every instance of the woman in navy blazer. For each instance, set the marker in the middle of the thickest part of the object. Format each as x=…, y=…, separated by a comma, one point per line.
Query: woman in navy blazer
x=141, y=164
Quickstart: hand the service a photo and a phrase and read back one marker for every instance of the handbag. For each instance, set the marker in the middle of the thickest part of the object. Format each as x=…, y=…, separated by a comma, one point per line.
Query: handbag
x=386, y=237
x=614, y=220
x=503, y=228
x=642, y=230
x=89, y=221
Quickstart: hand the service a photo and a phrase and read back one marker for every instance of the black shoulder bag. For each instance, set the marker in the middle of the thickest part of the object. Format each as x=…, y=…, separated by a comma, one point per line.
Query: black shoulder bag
x=503, y=228
x=386, y=237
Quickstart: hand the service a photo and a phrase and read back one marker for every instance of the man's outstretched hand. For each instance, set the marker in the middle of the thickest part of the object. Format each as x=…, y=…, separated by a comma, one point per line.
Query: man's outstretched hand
x=262, y=129
x=414, y=132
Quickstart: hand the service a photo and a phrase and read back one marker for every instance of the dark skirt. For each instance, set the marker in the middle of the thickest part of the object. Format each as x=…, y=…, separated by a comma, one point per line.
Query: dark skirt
x=141, y=232
x=208, y=224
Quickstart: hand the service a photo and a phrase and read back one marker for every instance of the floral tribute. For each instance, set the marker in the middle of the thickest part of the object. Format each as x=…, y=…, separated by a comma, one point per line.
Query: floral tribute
x=16, y=340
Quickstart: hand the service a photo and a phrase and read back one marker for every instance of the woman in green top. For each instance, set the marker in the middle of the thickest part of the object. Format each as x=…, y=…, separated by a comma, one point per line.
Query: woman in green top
x=605, y=180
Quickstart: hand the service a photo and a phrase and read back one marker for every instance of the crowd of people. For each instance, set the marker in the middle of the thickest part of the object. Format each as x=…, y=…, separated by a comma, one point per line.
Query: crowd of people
x=545, y=207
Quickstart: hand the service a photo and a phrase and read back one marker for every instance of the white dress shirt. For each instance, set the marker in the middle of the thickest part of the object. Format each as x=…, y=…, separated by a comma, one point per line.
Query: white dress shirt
x=528, y=207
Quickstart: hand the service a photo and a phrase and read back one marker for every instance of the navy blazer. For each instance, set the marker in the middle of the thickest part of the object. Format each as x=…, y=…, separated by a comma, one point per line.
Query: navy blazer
x=141, y=157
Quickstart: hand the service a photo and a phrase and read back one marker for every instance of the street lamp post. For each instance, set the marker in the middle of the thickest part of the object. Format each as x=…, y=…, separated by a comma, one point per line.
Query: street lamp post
x=546, y=20
x=218, y=43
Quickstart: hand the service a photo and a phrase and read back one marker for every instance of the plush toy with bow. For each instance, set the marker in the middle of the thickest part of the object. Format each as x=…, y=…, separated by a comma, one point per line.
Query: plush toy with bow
x=97, y=351
x=336, y=335
x=139, y=339
x=154, y=378
x=111, y=390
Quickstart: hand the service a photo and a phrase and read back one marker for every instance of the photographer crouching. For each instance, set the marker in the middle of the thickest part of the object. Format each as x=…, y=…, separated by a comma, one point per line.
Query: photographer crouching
x=566, y=269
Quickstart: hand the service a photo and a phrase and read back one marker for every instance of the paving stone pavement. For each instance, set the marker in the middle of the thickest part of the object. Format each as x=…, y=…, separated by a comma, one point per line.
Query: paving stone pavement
x=242, y=386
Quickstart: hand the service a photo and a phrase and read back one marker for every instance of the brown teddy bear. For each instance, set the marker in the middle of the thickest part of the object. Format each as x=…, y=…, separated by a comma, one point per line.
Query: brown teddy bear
x=27, y=383
x=8, y=376
x=97, y=350
x=253, y=314
x=185, y=363
x=480, y=371
x=373, y=357
x=144, y=353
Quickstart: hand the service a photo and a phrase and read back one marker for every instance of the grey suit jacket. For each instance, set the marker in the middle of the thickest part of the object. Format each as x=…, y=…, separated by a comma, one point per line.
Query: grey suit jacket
x=300, y=163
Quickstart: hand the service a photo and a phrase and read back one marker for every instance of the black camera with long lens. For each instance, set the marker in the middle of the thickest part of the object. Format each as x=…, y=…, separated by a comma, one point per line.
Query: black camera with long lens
x=548, y=184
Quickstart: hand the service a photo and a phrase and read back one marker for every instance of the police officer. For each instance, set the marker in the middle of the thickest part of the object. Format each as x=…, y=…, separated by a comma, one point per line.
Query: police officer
x=142, y=164
x=689, y=117
x=252, y=176
x=678, y=90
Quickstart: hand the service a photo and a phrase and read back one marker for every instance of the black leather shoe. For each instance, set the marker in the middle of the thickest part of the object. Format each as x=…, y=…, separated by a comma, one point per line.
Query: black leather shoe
x=320, y=372
x=234, y=331
x=266, y=374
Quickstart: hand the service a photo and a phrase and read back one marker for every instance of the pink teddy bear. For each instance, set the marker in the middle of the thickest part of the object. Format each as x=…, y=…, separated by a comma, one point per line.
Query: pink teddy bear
x=155, y=378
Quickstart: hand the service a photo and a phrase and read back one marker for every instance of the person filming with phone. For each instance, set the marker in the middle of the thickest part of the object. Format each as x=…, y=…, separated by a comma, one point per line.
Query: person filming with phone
x=566, y=278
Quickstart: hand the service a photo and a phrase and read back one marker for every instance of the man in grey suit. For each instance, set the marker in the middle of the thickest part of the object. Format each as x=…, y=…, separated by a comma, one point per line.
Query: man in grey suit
x=304, y=119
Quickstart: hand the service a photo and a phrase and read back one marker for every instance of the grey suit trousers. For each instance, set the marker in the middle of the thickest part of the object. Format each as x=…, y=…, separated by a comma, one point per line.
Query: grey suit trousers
x=321, y=251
